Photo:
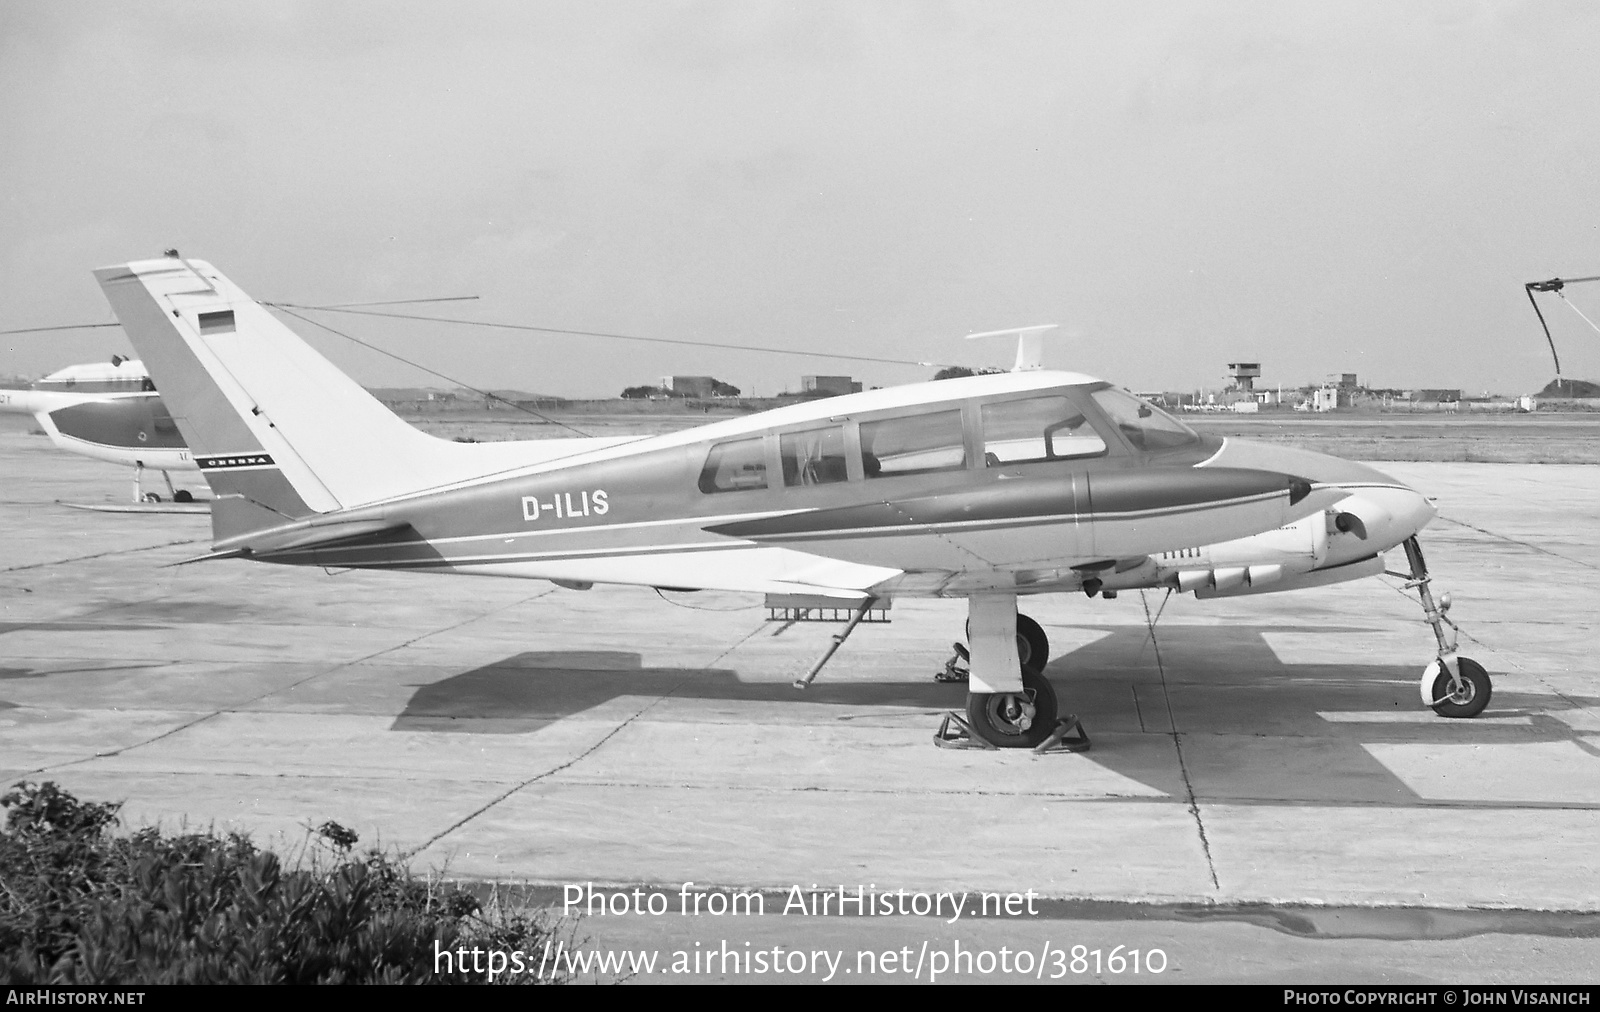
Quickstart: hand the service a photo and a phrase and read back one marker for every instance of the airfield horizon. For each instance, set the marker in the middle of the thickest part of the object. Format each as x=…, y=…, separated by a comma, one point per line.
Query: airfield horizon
x=1535, y=438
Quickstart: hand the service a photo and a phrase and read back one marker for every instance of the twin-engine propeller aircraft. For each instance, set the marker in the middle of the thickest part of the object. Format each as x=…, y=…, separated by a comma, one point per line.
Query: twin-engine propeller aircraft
x=109, y=411
x=987, y=488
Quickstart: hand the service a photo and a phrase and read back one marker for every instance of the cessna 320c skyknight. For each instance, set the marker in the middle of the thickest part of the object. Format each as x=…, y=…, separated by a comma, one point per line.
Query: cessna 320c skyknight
x=988, y=488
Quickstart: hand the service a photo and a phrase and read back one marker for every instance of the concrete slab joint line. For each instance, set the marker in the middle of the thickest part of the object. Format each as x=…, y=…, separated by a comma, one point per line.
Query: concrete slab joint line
x=1510, y=657
x=580, y=757
x=1177, y=745
x=104, y=555
x=1515, y=541
x=1399, y=588
x=291, y=686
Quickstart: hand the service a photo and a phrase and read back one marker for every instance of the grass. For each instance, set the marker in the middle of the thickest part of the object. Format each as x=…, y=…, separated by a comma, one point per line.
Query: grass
x=1539, y=438
x=81, y=904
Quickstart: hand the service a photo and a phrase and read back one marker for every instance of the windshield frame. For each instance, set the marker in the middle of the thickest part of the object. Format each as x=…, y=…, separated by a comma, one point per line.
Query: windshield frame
x=1111, y=431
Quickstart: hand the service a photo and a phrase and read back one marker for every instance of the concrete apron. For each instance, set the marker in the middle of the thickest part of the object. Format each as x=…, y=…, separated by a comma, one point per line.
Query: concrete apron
x=1268, y=750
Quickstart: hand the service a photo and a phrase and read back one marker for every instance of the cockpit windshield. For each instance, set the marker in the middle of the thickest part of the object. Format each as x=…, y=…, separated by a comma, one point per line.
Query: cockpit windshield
x=1144, y=425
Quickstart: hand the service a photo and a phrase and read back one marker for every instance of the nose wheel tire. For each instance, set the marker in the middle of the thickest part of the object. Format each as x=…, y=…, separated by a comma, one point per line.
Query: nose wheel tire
x=1467, y=701
x=1015, y=719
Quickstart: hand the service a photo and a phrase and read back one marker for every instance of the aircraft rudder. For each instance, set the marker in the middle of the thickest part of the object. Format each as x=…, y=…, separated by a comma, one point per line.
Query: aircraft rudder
x=168, y=308
x=337, y=444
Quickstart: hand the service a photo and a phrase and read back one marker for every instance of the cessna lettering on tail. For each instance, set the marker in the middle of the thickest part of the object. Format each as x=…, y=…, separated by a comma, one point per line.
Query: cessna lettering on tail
x=235, y=460
x=564, y=506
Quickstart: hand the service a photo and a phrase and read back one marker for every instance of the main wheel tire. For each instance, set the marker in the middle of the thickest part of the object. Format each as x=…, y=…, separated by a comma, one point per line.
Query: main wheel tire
x=1474, y=695
x=1015, y=719
x=183, y=495
x=1033, y=646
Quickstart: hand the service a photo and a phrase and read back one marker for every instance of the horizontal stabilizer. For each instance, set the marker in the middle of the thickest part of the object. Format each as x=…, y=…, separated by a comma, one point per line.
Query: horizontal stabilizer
x=232, y=553
x=301, y=536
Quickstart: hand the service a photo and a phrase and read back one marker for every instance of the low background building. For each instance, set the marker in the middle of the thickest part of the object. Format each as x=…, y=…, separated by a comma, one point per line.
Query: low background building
x=828, y=386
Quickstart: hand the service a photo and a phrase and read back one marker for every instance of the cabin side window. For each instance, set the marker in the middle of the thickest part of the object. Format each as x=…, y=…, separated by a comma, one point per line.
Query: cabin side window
x=1036, y=429
x=813, y=457
x=735, y=466
x=917, y=444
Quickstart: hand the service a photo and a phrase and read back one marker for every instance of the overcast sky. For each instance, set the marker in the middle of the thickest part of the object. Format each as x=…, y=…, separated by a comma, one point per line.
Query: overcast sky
x=1324, y=187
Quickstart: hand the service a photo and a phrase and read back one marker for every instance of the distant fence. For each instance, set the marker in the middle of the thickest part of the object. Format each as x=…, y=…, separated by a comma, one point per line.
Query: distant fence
x=1569, y=403
x=1491, y=407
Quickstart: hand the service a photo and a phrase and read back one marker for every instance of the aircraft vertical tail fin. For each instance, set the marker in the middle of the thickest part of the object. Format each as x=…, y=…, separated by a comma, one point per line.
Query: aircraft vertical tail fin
x=1030, y=345
x=278, y=431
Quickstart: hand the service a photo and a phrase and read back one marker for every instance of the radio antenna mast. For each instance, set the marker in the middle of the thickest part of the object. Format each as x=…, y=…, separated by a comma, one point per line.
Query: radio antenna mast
x=1555, y=285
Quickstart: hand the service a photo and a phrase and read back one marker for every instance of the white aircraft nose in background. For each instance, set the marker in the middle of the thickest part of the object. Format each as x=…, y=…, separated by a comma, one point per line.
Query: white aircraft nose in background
x=109, y=411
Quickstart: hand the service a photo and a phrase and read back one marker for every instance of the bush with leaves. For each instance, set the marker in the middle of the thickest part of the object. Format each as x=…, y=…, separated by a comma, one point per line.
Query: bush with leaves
x=81, y=905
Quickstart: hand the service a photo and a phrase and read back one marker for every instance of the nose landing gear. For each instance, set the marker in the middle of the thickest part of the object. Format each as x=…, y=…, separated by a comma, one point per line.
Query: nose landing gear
x=180, y=495
x=1451, y=686
x=1464, y=696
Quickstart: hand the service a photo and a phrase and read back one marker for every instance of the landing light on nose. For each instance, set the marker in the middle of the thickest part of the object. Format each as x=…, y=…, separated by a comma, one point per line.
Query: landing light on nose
x=1376, y=519
x=1349, y=523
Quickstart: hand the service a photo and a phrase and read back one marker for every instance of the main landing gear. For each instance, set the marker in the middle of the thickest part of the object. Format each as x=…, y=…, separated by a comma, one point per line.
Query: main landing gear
x=140, y=495
x=1033, y=651
x=1010, y=703
x=1451, y=686
x=1023, y=712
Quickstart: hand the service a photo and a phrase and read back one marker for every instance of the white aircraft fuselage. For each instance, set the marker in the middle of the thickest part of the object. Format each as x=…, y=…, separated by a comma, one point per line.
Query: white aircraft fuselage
x=105, y=410
x=989, y=488
x=651, y=511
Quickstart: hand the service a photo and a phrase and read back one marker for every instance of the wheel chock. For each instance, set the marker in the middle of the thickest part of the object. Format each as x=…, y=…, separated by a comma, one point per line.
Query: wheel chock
x=1069, y=736
x=956, y=668
x=960, y=735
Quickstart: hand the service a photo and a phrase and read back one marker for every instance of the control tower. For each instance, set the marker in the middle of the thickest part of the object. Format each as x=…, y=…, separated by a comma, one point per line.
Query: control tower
x=1244, y=374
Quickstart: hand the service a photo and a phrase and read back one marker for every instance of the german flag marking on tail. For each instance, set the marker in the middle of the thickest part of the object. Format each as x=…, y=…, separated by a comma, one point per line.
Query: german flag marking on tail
x=217, y=323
